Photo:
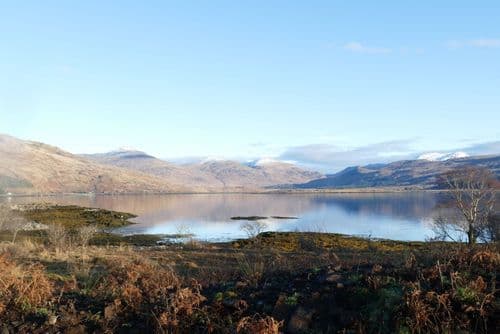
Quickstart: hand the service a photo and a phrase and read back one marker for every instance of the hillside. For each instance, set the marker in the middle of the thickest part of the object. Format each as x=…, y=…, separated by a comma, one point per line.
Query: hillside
x=142, y=162
x=213, y=175
x=414, y=173
x=28, y=167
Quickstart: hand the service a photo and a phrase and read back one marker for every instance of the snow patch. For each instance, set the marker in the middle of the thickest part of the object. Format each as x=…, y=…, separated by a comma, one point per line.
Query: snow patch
x=437, y=156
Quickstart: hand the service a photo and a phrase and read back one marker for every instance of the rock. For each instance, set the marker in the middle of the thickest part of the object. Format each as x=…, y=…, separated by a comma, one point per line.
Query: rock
x=300, y=320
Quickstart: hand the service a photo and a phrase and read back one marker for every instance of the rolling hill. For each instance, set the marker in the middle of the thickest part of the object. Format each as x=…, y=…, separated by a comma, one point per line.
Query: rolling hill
x=212, y=175
x=408, y=173
x=28, y=167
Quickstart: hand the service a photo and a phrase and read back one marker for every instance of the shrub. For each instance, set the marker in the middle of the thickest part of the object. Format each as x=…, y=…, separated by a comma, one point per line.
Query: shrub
x=252, y=267
x=455, y=296
x=23, y=288
x=258, y=324
x=84, y=234
x=58, y=236
x=253, y=228
x=145, y=294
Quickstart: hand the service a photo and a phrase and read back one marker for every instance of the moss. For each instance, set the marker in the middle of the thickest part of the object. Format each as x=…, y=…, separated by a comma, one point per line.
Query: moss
x=75, y=216
x=292, y=300
x=112, y=239
x=466, y=295
x=35, y=236
x=248, y=218
x=300, y=241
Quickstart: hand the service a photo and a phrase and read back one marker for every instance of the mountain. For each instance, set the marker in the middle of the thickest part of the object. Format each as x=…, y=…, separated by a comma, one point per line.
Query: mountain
x=409, y=173
x=436, y=156
x=139, y=161
x=212, y=175
x=28, y=167
x=235, y=174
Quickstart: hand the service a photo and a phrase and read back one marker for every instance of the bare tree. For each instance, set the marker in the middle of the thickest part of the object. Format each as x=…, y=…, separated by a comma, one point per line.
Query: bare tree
x=493, y=227
x=473, y=194
x=58, y=237
x=253, y=228
x=84, y=234
x=6, y=214
x=11, y=220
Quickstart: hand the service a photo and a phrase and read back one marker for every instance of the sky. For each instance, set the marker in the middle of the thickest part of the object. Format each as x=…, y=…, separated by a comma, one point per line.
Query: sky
x=326, y=84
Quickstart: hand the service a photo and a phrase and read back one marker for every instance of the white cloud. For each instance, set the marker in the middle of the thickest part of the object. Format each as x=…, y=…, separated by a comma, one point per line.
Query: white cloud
x=486, y=43
x=492, y=147
x=476, y=43
x=330, y=158
x=360, y=48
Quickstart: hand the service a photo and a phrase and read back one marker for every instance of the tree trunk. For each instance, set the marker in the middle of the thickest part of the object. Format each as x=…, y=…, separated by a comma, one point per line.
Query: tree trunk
x=471, y=236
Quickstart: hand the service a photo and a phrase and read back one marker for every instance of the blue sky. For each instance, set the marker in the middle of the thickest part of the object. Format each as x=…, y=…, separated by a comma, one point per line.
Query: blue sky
x=324, y=83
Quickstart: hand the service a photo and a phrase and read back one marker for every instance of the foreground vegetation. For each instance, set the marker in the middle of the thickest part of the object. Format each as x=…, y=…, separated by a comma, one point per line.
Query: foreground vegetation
x=275, y=282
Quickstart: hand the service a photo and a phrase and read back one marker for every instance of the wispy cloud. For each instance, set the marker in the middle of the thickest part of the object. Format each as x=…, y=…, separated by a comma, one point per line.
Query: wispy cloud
x=331, y=158
x=492, y=147
x=475, y=43
x=361, y=48
x=486, y=42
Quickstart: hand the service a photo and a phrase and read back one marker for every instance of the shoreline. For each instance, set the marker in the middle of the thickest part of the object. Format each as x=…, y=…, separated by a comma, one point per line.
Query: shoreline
x=288, y=278
x=263, y=192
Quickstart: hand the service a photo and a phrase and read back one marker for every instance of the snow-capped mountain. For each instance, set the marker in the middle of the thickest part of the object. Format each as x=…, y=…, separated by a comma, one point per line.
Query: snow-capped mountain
x=267, y=161
x=406, y=173
x=210, y=172
x=437, y=156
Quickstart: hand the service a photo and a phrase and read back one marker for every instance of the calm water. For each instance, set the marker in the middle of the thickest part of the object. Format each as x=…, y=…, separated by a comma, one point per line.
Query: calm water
x=399, y=216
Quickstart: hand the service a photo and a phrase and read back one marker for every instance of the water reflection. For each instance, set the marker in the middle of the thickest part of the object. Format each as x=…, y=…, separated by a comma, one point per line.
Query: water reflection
x=399, y=216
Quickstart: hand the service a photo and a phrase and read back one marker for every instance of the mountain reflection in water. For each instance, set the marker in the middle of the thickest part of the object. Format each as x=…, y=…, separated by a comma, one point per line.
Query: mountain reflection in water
x=400, y=216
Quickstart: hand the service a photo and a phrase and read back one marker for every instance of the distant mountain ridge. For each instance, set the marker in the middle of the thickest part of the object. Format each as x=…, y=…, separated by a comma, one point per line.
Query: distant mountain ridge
x=408, y=173
x=210, y=174
x=28, y=167
x=436, y=156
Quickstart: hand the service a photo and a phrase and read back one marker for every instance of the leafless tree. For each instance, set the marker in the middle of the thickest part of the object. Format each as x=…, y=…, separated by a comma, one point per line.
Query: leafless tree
x=84, y=234
x=12, y=221
x=58, y=237
x=473, y=194
x=253, y=228
x=6, y=214
x=493, y=227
